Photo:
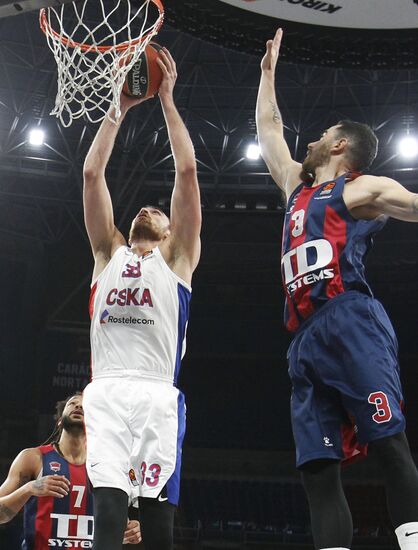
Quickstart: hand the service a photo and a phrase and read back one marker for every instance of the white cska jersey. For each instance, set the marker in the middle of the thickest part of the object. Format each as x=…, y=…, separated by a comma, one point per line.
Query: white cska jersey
x=139, y=311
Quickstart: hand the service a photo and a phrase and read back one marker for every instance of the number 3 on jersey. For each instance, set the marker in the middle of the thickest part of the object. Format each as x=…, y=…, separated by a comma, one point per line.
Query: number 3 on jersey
x=298, y=217
x=380, y=401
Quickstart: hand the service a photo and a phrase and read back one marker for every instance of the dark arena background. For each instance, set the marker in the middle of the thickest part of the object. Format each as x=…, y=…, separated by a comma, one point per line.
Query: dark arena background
x=239, y=485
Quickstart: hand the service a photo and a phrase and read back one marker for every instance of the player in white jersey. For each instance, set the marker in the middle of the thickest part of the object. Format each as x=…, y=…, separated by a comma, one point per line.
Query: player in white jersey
x=135, y=415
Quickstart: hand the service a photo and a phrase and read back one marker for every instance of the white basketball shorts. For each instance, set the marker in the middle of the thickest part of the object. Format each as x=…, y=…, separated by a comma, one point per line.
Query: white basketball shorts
x=135, y=430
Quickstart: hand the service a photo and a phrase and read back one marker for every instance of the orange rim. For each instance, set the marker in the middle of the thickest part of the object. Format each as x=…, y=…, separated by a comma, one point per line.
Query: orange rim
x=49, y=31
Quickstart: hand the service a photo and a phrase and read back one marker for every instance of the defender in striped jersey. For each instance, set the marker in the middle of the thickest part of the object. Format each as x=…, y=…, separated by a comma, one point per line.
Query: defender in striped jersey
x=51, y=484
x=139, y=307
x=343, y=358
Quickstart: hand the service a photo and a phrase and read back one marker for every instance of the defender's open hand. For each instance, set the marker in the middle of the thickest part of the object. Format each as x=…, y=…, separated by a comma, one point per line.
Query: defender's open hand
x=268, y=63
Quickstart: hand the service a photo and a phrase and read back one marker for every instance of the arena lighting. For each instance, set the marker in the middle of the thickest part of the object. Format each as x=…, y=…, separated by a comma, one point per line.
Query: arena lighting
x=36, y=136
x=253, y=152
x=408, y=147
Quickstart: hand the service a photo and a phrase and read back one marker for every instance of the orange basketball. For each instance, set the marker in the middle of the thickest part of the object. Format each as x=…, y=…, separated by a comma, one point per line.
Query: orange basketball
x=144, y=79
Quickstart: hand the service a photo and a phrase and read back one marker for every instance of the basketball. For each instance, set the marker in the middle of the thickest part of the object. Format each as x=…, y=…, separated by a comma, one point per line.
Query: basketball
x=144, y=79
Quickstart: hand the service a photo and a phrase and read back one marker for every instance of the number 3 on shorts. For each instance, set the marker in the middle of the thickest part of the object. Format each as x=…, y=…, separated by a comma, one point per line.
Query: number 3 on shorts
x=380, y=401
x=153, y=476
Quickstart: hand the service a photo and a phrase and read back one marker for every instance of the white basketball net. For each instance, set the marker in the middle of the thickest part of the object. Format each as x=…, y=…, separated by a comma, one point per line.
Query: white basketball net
x=94, y=59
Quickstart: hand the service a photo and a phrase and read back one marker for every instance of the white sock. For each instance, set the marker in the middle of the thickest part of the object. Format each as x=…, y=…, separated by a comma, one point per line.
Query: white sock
x=407, y=534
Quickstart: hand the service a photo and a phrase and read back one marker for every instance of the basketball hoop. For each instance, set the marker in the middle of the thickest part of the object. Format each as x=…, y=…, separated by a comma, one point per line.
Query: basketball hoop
x=94, y=57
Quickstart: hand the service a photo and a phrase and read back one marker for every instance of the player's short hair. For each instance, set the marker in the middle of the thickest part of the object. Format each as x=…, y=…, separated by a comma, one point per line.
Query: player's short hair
x=363, y=143
x=155, y=208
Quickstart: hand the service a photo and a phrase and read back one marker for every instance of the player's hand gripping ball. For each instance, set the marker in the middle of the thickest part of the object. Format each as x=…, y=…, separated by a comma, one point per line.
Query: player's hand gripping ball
x=144, y=79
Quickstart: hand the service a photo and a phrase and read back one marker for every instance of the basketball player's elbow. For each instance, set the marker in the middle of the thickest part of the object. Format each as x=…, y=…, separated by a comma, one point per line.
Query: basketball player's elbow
x=91, y=174
x=93, y=168
x=89, y=168
x=186, y=170
x=6, y=514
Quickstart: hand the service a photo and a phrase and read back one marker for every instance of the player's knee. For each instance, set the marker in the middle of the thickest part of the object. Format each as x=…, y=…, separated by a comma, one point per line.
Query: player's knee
x=157, y=520
x=110, y=508
x=318, y=475
x=391, y=452
x=161, y=539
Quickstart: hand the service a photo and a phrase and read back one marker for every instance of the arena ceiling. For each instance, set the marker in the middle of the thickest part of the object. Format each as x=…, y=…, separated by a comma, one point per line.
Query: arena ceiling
x=343, y=33
x=40, y=187
x=346, y=14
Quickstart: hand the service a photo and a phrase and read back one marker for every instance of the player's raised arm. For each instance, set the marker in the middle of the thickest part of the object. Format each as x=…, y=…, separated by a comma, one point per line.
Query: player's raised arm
x=374, y=195
x=274, y=150
x=98, y=210
x=21, y=484
x=185, y=215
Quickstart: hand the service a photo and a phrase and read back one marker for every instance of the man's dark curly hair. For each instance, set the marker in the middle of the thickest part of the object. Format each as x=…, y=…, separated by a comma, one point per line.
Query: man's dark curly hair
x=59, y=409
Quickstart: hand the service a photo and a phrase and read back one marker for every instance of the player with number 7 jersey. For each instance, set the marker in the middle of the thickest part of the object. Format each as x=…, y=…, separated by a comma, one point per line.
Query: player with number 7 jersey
x=60, y=522
x=50, y=482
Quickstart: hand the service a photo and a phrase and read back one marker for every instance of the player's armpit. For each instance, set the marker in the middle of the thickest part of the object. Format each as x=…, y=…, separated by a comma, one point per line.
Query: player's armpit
x=98, y=216
x=103, y=254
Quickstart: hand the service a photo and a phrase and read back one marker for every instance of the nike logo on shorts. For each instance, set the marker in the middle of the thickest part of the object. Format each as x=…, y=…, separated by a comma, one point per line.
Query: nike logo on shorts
x=162, y=499
x=94, y=464
x=413, y=533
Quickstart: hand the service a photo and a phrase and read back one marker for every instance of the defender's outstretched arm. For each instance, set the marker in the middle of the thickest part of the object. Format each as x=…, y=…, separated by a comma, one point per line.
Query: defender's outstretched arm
x=274, y=150
x=378, y=195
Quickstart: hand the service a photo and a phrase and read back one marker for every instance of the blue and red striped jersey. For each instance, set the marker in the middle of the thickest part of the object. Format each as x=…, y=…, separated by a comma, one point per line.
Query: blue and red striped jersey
x=60, y=522
x=323, y=249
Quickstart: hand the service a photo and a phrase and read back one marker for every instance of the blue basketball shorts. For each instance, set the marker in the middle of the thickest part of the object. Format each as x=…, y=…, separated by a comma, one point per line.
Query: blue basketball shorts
x=345, y=379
